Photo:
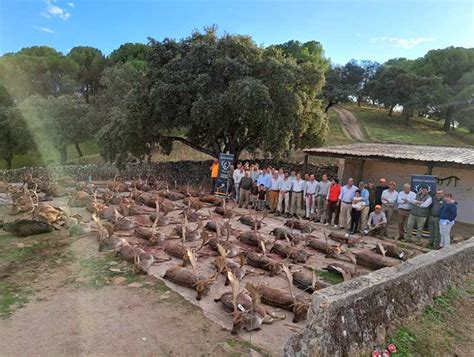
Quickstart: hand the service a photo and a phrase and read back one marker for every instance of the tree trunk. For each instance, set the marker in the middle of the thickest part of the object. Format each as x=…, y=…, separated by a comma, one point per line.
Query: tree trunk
x=8, y=160
x=63, y=155
x=448, y=119
x=407, y=119
x=359, y=101
x=78, y=149
x=390, y=111
x=193, y=145
x=330, y=104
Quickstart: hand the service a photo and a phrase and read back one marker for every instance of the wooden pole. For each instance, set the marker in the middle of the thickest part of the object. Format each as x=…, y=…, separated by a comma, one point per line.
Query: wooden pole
x=305, y=164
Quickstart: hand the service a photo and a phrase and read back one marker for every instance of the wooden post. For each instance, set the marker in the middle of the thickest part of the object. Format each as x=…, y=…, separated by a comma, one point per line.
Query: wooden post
x=360, y=172
x=305, y=164
x=430, y=169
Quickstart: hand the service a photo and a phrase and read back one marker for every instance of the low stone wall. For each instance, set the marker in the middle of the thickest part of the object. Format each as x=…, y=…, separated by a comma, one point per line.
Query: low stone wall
x=181, y=172
x=349, y=319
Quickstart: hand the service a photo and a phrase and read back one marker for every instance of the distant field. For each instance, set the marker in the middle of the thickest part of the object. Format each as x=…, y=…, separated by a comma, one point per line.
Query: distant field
x=382, y=128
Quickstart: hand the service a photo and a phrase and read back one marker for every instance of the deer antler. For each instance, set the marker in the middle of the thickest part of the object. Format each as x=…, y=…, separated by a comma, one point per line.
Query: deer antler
x=289, y=278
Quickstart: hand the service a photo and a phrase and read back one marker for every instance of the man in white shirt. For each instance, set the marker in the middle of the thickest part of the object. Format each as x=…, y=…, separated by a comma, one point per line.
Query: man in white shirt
x=284, y=196
x=404, y=203
x=345, y=200
x=297, y=188
x=310, y=192
x=238, y=174
x=389, y=200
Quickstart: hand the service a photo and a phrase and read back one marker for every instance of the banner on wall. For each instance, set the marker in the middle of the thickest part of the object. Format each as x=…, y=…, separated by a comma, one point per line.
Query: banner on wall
x=417, y=181
x=225, y=161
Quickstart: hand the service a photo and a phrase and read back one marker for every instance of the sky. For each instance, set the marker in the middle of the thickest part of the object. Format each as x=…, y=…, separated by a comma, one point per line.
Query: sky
x=375, y=29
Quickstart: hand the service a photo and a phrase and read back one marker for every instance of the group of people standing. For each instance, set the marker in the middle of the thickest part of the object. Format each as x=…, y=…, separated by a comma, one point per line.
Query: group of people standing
x=363, y=208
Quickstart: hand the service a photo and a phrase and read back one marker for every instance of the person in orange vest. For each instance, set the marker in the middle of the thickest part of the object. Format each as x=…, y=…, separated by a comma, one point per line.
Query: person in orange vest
x=214, y=173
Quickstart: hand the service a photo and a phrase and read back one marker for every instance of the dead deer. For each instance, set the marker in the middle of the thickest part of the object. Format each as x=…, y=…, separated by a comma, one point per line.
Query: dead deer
x=283, y=233
x=213, y=242
x=285, y=250
x=308, y=283
x=177, y=250
x=299, y=305
x=186, y=233
x=344, y=238
x=261, y=261
x=251, y=238
x=299, y=224
x=225, y=212
x=122, y=223
x=253, y=222
x=346, y=273
x=210, y=199
x=224, y=265
x=249, y=319
x=80, y=199
x=107, y=242
x=190, y=279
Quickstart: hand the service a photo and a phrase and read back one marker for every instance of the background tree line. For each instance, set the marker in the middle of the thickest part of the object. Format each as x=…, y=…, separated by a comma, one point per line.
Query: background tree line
x=212, y=93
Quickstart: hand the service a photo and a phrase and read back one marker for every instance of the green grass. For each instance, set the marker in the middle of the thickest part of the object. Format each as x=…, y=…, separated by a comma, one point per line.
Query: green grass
x=382, y=128
x=330, y=277
x=51, y=157
x=336, y=135
x=12, y=297
x=437, y=330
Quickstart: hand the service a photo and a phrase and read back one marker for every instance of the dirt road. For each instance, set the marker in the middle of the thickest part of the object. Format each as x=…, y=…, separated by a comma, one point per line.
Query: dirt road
x=80, y=308
x=350, y=124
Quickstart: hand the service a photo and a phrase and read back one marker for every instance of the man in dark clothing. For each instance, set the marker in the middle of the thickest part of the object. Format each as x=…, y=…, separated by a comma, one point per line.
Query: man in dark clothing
x=433, y=219
x=372, y=194
x=245, y=187
x=378, y=191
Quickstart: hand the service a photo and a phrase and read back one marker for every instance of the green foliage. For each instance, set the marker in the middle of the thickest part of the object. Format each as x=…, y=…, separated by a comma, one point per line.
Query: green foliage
x=91, y=63
x=134, y=54
x=14, y=136
x=225, y=94
x=37, y=70
x=330, y=277
x=11, y=298
x=57, y=121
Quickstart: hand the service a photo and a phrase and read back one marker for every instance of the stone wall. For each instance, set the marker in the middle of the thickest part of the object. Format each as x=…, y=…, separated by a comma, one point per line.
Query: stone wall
x=181, y=172
x=349, y=319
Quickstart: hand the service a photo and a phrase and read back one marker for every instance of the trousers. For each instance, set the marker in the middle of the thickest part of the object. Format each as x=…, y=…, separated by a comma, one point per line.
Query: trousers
x=295, y=205
x=345, y=215
x=445, y=233
x=413, y=221
x=284, y=197
x=403, y=215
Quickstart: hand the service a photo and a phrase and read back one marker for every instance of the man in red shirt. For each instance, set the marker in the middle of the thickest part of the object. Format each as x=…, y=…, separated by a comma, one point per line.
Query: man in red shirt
x=332, y=200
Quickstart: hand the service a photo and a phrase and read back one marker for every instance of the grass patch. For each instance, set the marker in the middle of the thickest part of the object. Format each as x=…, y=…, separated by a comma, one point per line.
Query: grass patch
x=330, y=277
x=436, y=332
x=382, y=128
x=336, y=135
x=243, y=346
x=11, y=298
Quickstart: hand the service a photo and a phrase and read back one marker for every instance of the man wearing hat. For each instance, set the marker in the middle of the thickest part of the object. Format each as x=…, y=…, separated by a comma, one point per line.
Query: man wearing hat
x=377, y=223
x=419, y=213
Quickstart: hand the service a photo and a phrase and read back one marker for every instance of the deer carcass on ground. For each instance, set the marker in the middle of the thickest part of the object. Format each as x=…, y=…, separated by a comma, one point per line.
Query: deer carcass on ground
x=261, y=261
x=285, y=250
x=307, y=282
x=189, y=279
x=299, y=224
x=284, y=233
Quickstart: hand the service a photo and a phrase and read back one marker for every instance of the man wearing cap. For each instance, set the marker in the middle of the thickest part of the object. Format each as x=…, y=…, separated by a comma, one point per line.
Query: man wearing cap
x=214, y=172
x=345, y=201
x=419, y=214
x=433, y=219
x=404, y=203
x=377, y=223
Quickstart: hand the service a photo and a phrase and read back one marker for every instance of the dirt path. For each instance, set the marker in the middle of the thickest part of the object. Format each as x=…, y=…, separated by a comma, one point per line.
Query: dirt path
x=350, y=124
x=81, y=308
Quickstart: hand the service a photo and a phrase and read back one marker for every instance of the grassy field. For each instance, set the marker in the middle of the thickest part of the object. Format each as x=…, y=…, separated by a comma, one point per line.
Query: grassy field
x=336, y=135
x=382, y=128
x=444, y=329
